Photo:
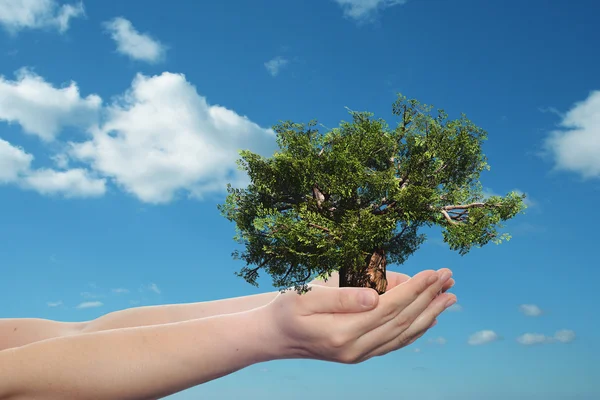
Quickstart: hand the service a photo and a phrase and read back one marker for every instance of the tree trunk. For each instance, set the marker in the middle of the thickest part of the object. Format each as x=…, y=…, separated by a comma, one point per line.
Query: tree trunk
x=372, y=274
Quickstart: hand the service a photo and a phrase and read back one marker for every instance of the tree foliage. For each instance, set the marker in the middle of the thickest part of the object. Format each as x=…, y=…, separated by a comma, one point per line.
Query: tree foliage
x=327, y=200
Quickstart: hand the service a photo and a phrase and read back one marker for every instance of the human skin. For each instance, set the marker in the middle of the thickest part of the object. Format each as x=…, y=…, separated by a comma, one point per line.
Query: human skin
x=329, y=324
x=16, y=332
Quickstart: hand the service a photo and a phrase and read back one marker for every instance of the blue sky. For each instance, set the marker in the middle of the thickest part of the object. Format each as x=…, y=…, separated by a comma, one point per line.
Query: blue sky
x=120, y=125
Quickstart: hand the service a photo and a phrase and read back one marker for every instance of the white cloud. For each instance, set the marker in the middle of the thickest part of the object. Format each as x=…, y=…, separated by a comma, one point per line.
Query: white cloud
x=529, y=339
x=482, y=337
x=158, y=140
x=71, y=183
x=89, y=295
x=136, y=45
x=17, y=15
x=162, y=138
x=43, y=110
x=154, y=287
x=15, y=168
x=89, y=304
x=363, y=10
x=564, y=336
x=120, y=291
x=275, y=64
x=530, y=310
x=14, y=162
x=438, y=340
x=576, y=144
x=454, y=308
x=55, y=303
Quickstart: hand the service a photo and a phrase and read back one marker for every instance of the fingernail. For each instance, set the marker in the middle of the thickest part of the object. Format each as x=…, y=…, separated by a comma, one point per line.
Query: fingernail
x=445, y=276
x=367, y=298
x=450, y=303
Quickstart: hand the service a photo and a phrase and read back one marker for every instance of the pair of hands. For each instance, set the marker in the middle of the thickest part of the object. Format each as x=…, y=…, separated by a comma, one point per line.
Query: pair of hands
x=352, y=325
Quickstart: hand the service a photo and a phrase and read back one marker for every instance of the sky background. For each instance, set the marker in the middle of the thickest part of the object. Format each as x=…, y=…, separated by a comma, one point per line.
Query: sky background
x=120, y=123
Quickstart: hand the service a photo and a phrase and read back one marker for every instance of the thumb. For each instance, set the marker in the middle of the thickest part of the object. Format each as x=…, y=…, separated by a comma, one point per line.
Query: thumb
x=341, y=300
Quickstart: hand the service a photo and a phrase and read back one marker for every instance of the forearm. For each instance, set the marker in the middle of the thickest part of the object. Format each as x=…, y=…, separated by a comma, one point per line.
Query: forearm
x=164, y=314
x=138, y=363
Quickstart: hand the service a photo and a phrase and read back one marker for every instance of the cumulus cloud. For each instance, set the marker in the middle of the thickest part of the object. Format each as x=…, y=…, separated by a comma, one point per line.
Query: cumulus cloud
x=162, y=138
x=136, y=45
x=42, y=109
x=14, y=162
x=364, y=10
x=562, y=336
x=575, y=146
x=275, y=64
x=71, y=183
x=530, y=310
x=89, y=304
x=158, y=140
x=15, y=168
x=17, y=15
x=482, y=337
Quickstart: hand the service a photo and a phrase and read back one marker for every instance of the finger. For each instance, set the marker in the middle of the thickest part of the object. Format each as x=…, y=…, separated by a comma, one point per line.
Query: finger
x=380, y=351
x=431, y=313
x=408, y=291
x=391, y=303
x=448, y=285
x=417, y=329
x=398, y=327
x=330, y=300
x=413, y=310
x=394, y=279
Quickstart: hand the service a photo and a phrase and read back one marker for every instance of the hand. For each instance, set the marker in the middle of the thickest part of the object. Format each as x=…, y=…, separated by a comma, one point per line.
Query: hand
x=393, y=279
x=334, y=324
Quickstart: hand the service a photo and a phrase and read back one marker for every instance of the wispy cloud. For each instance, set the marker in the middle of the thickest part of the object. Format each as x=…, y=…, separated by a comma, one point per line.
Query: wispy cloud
x=365, y=10
x=18, y=15
x=565, y=336
x=120, y=291
x=90, y=295
x=275, y=65
x=482, y=337
x=154, y=288
x=455, y=308
x=575, y=145
x=562, y=336
x=135, y=45
x=530, y=310
x=438, y=340
x=54, y=303
x=89, y=304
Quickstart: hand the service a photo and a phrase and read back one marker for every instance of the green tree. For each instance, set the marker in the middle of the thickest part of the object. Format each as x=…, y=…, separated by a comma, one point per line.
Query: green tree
x=354, y=199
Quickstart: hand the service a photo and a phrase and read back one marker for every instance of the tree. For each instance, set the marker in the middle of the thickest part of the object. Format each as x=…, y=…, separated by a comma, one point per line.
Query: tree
x=354, y=199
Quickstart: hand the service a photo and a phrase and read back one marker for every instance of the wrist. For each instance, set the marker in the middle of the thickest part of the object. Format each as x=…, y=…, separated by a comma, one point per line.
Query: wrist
x=272, y=341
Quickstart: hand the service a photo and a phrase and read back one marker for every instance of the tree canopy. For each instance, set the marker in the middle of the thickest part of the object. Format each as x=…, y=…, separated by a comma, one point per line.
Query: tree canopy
x=327, y=200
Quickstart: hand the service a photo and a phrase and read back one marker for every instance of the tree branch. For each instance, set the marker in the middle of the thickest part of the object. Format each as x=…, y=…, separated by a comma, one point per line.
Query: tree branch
x=457, y=217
